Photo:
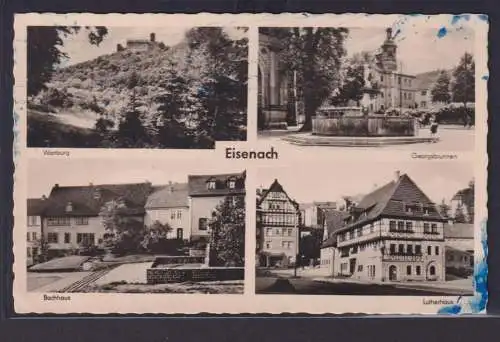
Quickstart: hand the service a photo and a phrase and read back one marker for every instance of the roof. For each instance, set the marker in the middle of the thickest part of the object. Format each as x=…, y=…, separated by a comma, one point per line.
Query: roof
x=85, y=202
x=334, y=220
x=168, y=196
x=461, y=194
x=459, y=231
x=276, y=187
x=390, y=201
x=36, y=206
x=197, y=185
x=304, y=206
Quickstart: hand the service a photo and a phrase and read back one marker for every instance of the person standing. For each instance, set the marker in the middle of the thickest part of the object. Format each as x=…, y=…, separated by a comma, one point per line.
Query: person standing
x=434, y=128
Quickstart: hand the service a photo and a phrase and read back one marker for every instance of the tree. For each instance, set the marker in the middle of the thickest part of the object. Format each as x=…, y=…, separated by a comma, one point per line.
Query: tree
x=155, y=238
x=460, y=215
x=123, y=232
x=44, y=51
x=441, y=90
x=315, y=53
x=352, y=86
x=463, y=87
x=227, y=239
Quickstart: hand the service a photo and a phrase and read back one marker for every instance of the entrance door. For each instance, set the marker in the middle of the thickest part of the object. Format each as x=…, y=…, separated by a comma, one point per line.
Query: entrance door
x=393, y=273
x=352, y=266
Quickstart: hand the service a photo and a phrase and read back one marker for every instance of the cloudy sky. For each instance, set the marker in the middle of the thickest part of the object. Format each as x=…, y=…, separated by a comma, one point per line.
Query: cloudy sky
x=79, y=49
x=329, y=182
x=418, y=50
x=44, y=173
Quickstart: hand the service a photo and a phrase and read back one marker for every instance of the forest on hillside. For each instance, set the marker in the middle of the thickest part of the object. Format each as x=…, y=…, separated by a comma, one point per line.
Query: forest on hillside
x=189, y=95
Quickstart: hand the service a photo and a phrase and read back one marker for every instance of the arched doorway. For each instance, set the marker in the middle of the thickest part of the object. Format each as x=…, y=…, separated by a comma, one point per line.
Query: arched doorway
x=431, y=271
x=393, y=273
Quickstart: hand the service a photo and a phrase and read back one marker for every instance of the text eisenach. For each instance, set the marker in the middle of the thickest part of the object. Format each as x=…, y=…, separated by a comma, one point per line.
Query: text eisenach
x=233, y=153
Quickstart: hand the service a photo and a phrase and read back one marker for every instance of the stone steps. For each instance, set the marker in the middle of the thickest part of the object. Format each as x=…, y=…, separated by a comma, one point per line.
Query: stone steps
x=312, y=140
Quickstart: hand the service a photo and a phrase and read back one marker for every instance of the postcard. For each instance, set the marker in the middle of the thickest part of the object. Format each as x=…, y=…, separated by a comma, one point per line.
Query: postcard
x=250, y=163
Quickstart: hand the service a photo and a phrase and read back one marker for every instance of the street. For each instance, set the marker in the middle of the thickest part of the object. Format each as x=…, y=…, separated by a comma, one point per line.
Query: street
x=281, y=285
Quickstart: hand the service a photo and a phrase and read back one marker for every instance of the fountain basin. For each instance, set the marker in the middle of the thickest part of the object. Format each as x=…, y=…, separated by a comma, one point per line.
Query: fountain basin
x=364, y=126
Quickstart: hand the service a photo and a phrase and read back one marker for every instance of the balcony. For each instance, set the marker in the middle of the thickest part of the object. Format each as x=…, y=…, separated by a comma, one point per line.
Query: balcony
x=414, y=257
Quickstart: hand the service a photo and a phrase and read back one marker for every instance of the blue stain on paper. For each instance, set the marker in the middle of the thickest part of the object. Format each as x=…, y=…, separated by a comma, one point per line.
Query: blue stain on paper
x=442, y=32
x=457, y=18
x=15, y=117
x=485, y=77
x=483, y=17
x=478, y=302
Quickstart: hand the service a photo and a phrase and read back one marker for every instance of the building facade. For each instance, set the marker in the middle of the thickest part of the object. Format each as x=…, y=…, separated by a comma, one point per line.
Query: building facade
x=278, y=219
x=169, y=204
x=394, y=234
x=396, y=89
x=35, y=221
x=206, y=193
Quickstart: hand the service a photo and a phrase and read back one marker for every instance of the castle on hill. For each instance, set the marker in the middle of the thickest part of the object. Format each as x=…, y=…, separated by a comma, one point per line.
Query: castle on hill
x=139, y=44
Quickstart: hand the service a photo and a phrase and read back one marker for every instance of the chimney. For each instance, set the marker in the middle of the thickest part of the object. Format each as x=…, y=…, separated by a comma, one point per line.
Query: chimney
x=152, y=37
x=44, y=197
x=397, y=175
x=56, y=186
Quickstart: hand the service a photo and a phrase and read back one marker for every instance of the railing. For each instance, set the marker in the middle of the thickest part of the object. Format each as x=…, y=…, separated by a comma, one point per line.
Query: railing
x=402, y=257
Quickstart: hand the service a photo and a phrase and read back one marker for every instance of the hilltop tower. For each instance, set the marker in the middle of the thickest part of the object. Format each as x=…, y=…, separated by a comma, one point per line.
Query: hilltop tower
x=387, y=56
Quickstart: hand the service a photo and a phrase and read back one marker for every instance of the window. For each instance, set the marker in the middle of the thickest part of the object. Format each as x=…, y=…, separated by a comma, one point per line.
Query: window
x=211, y=185
x=289, y=231
x=393, y=248
x=28, y=237
x=179, y=214
x=392, y=226
x=408, y=270
x=409, y=226
x=418, y=249
x=423, y=92
x=277, y=231
x=409, y=249
x=372, y=228
x=180, y=234
x=417, y=270
x=82, y=220
x=429, y=250
x=432, y=270
x=360, y=268
x=401, y=248
x=231, y=184
x=69, y=207
x=359, y=232
x=52, y=237
x=426, y=228
x=85, y=239
x=67, y=238
x=381, y=78
x=33, y=221
x=58, y=221
x=351, y=234
x=268, y=245
x=269, y=232
x=34, y=251
x=172, y=215
x=436, y=250
x=401, y=226
x=434, y=228
x=202, y=223
x=28, y=252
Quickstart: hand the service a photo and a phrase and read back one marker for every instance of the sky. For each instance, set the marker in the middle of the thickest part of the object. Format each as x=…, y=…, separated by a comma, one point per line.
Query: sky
x=418, y=50
x=332, y=181
x=44, y=173
x=78, y=48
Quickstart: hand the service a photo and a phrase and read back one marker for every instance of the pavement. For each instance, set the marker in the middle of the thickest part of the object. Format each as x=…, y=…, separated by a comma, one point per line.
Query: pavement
x=451, y=138
x=131, y=273
x=53, y=282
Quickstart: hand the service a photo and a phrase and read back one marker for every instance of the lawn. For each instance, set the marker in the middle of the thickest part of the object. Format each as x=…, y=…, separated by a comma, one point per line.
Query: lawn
x=64, y=264
x=208, y=287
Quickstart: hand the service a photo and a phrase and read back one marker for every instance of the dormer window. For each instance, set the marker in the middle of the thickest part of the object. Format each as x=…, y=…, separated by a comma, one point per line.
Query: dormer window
x=97, y=194
x=211, y=184
x=69, y=207
x=231, y=184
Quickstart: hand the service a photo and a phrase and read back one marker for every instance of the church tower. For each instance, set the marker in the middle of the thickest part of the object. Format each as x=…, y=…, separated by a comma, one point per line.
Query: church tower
x=387, y=56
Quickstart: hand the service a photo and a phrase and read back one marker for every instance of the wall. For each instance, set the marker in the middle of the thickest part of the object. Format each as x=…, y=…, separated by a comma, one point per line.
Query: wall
x=202, y=207
x=164, y=215
x=327, y=257
x=33, y=235
x=94, y=226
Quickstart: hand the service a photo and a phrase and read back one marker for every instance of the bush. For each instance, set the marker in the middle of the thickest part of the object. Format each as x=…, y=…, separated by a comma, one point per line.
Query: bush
x=456, y=115
x=460, y=271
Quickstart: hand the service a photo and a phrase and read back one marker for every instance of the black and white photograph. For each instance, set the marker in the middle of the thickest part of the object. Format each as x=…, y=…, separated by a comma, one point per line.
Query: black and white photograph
x=136, y=87
x=390, y=229
x=109, y=230
x=367, y=87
